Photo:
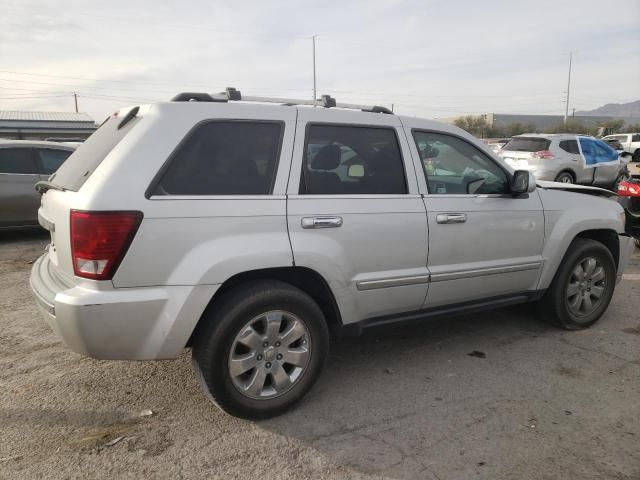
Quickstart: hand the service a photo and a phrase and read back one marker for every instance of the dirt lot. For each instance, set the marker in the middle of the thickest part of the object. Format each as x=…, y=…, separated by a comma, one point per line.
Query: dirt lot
x=405, y=402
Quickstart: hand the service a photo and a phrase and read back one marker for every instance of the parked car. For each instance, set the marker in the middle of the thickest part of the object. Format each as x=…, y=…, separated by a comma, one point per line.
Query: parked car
x=247, y=231
x=22, y=164
x=630, y=143
x=629, y=197
x=565, y=158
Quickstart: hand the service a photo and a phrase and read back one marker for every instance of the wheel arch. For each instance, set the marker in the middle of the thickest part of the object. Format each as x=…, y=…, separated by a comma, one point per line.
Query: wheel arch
x=306, y=279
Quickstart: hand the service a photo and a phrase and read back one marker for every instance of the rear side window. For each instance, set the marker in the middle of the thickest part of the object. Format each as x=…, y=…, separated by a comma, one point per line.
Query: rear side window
x=83, y=162
x=17, y=160
x=570, y=146
x=635, y=138
x=50, y=160
x=352, y=161
x=527, y=144
x=224, y=158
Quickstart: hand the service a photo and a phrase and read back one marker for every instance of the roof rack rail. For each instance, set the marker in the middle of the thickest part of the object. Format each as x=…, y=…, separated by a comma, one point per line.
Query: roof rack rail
x=233, y=95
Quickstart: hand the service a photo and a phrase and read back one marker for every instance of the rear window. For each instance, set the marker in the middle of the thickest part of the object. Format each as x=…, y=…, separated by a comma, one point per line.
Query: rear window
x=224, y=158
x=17, y=160
x=570, y=146
x=83, y=162
x=527, y=144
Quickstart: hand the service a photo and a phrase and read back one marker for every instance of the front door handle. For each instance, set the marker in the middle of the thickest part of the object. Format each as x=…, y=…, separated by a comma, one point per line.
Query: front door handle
x=321, y=222
x=451, y=217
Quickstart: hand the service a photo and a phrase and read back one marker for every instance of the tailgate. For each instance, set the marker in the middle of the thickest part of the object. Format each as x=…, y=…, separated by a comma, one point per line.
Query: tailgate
x=53, y=215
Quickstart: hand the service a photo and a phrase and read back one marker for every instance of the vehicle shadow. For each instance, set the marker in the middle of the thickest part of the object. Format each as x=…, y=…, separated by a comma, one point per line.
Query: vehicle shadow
x=384, y=397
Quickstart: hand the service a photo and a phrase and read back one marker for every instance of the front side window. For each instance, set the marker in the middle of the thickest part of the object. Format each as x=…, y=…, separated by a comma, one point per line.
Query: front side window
x=453, y=166
x=352, y=160
x=635, y=138
x=17, y=160
x=50, y=160
x=224, y=158
x=595, y=151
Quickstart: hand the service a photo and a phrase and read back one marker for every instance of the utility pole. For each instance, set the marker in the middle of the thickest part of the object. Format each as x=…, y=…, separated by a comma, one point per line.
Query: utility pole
x=313, y=39
x=566, y=109
x=75, y=99
x=573, y=114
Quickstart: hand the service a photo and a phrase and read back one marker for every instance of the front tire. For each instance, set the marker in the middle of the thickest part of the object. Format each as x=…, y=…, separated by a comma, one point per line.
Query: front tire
x=582, y=288
x=261, y=349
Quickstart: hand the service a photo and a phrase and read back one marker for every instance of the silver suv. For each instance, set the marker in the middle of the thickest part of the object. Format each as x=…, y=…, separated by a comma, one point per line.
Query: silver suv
x=565, y=158
x=247, y=231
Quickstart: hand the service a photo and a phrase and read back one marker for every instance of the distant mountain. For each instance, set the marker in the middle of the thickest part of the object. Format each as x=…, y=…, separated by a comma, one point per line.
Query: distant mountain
x=631, y=109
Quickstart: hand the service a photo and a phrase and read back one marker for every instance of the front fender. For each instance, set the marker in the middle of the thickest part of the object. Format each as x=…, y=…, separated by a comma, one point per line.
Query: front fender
x=567, y=215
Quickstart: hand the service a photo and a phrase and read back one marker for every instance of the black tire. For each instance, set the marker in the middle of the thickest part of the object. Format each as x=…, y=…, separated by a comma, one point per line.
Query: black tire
x=565, y=177
x=554, y=306
x=636, y=155
x=222, y=323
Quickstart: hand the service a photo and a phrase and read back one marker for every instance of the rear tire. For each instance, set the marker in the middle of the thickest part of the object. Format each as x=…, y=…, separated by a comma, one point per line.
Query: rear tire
x=582, y=288
x=565, y=177
x=636, y=155
x=242, y=351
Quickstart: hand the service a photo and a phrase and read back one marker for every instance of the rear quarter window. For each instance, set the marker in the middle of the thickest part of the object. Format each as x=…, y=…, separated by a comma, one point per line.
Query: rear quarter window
x=527, y=144
x=224, y=158
x=75, y=171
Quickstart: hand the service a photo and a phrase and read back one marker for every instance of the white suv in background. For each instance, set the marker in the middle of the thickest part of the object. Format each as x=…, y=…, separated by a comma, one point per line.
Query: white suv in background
x=630, y=143
x=565, y=158
x=247, y=231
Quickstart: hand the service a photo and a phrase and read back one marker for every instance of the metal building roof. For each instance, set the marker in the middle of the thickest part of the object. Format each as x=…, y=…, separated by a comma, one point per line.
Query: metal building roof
x=12, y=115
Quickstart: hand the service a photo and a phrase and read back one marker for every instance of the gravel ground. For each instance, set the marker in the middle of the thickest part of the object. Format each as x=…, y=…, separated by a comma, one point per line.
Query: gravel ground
x=403, y=402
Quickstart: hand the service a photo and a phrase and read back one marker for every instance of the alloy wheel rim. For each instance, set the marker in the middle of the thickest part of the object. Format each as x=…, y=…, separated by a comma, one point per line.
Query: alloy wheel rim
x=587, y=286
x=269, y=355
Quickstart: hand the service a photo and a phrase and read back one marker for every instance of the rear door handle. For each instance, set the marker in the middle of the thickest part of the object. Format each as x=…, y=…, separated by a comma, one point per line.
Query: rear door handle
x=321, y=222
x=451, y=217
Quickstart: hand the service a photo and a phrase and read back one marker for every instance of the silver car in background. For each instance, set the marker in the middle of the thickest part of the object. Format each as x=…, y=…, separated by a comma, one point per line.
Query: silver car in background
x=22, y=164
x=566, y=158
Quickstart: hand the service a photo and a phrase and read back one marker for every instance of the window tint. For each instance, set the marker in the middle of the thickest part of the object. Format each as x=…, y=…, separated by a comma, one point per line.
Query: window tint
x=635, y=138
x=453, y=166
x=50, y=160
x=570, y=146
x=352, y=160
x=17, y=160
x=527, y=144
x=224, y=158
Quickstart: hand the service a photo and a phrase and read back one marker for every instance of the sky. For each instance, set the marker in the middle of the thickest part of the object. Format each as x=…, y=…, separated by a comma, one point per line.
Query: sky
x=429, y=58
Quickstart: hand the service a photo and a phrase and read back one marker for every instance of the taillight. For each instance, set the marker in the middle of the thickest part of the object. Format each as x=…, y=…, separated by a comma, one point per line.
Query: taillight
x=546, y=154
x=628, y=189
x=99, y=241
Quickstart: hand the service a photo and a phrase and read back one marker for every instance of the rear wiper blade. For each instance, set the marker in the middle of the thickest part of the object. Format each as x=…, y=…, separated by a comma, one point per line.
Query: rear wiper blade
x=43, y=185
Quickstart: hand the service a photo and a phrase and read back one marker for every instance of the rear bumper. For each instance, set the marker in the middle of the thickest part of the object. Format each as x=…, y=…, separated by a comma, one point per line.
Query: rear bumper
x=148, y=323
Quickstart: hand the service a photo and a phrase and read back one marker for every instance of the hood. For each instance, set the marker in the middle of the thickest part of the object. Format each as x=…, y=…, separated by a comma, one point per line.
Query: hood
x=570, y=187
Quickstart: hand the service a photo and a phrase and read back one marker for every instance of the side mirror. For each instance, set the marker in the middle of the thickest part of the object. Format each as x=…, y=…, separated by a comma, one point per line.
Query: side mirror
x=523, y=181
x=355, y=171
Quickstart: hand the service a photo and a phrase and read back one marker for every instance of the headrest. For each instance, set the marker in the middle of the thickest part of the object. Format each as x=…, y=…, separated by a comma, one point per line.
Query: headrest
x=327, y=159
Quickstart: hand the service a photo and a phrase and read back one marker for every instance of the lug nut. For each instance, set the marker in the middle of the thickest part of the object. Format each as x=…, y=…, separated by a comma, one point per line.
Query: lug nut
x=259, y=357
x=277, y=344
x=265, y=344
x=268, y=364
x=279, y=356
